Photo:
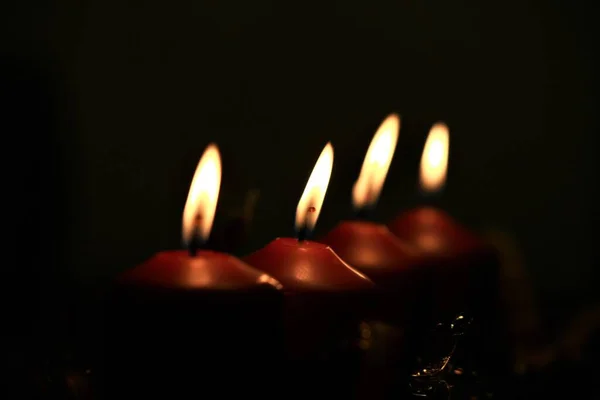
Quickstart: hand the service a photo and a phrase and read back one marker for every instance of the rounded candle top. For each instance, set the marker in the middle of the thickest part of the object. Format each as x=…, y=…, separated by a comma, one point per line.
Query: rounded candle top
x=434, y=232
x=370, y=247
x=207, y=270
x=302, y=266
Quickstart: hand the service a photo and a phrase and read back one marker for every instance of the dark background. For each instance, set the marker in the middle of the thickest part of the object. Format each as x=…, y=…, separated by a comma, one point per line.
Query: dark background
x=107, y=107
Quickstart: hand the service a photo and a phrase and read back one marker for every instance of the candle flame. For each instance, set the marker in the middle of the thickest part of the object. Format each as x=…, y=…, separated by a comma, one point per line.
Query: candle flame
x=434, y=162
x=377, y=163
x=201, y=204
x=312, y=198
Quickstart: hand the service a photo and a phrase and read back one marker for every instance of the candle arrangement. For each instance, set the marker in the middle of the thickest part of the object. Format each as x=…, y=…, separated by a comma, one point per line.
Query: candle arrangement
x=348, y=315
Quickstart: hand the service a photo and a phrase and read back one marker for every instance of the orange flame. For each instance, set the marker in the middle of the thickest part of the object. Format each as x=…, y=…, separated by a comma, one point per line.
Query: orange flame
x=434, y=162
x=309, y=206
x=377, y=163
x=201, y=204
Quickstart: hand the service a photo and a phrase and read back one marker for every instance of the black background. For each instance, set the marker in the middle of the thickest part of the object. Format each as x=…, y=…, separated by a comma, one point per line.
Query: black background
x=107, y=107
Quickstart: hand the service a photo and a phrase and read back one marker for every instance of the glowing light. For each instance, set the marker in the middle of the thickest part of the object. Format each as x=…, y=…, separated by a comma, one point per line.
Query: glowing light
x=434, y=162
x=377, y=163
x=201, y=204
x=309, y=206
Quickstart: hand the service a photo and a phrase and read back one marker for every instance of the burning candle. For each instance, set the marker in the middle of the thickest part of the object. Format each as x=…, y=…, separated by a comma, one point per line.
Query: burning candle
x=462, y=268
x=323, y=298
x=372, y=249
x=444, y=245
x=368, y=246
x=191, y=321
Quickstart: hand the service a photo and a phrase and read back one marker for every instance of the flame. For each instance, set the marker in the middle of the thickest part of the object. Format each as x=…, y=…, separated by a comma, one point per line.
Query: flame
x=377, y=163
x=201, y=204
x=434, y=162
x=311, y=201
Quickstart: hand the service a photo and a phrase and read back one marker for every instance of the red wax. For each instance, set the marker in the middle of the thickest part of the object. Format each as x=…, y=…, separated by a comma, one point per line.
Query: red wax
x=177, y=317
x=396, y=323
x=451, y=250
x=374, y=250
x=325, y=302
x=464, y=276
x=207, y=270
x=434, y=233
x=303, y=266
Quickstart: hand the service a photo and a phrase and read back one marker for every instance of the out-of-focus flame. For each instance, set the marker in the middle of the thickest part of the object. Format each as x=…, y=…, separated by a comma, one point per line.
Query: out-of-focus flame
x=434, y=162
x=377, y=163
x=201, y=204
x=311, y=201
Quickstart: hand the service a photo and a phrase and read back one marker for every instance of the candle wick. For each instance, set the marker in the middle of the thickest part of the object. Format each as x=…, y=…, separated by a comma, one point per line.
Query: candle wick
x=364, y=212
x=303, y=232
x=195, y=241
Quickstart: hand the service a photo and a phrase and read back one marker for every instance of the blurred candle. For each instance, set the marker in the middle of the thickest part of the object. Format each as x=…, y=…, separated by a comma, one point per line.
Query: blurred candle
x=368, y=246
x=194, y=315
x=444, y=245
x=324, y=297
x=462, y=269
x=372, y=249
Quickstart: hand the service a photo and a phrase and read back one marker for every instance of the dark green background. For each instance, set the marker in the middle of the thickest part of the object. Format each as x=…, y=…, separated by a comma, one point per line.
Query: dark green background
x=110, y=105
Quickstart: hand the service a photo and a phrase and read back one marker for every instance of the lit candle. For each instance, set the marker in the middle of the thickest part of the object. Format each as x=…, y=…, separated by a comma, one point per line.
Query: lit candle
x=323, y=298
x=194, y=321
x=462, y=268
x=368, y=246
x=449, y=248
x=372, y=249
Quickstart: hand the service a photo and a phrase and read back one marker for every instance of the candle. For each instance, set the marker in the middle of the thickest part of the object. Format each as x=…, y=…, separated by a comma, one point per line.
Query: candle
x=391, y=264
x=323, y=298
x=368, y=246
x=194, y=321
x=462, y=268
x=447, y=247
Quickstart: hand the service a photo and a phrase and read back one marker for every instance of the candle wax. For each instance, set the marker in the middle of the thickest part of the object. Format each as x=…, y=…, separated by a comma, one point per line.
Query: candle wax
x=307, y=266
x=325, y=302
x=434, y=233
x=398, y=320
x=460, y=262
x=374, y=250
x=177, y=320
x=464, y=276
x=207, y=270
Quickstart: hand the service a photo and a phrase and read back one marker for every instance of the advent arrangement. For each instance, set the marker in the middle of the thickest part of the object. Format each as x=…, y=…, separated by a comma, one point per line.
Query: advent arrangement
x=368, y=310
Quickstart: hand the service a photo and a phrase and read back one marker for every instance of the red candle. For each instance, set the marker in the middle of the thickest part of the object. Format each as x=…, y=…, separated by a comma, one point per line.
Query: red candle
x=448, y=248
x=391, y=264
x=324, y=297
x=462, y=268
x=370, y=247
x=197, y=314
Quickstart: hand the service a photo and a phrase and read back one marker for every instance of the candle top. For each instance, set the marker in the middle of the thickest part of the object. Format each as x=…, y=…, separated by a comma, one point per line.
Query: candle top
x=433, y=231
x=207, y=270
x=306, y=266
x=370, y=247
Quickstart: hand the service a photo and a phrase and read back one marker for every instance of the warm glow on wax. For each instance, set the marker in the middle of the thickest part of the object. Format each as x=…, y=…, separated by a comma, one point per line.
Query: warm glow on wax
x=201, y=204
x=311, y=201
x=434, y=162
x=377, y=163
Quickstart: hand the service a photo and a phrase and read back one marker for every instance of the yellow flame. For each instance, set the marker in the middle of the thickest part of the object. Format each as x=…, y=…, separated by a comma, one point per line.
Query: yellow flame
x=309, y=206
x=434, y=162
x=377, y=163
x=201, y=204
